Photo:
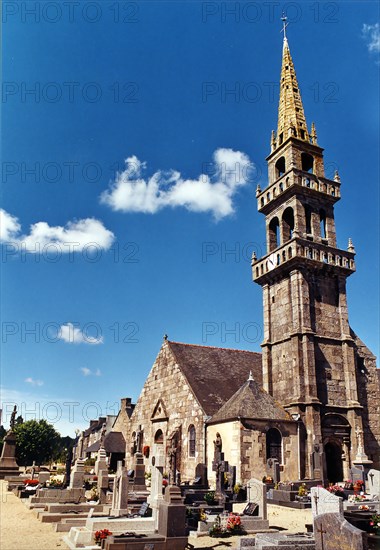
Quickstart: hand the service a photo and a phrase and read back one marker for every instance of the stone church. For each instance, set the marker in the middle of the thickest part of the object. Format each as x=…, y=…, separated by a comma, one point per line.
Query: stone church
x=311, y=400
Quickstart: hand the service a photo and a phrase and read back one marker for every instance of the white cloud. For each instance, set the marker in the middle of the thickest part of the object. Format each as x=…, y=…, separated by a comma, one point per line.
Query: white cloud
x=74, y=335
x=371, y=34
x=89, y=372
x=74, y=237
x=212, y=191
x=33, y=382
x=9, y=226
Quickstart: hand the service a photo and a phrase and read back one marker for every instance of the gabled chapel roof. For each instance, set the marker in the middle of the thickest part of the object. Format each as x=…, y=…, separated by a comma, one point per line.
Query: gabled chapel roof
x=251, y=401
x=215, y=374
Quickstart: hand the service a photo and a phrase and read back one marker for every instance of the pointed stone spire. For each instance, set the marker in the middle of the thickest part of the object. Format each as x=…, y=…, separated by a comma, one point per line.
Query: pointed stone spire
x=350, y=247
x=337, y=176
x=313, y=134
x=258, y=190
x=291, y=116
x=250, y=377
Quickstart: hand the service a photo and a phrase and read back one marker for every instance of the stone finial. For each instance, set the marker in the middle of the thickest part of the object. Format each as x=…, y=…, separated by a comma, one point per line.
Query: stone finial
x=313, y=134
x=250, y=377
x=165, y=337
x=273, y=141
x=337, y=176
x=350, y=247
x=254, y=257
x=258, y=190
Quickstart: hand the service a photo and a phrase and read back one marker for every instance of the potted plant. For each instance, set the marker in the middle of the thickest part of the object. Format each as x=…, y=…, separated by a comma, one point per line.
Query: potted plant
x=217, y=531
x=375, y=523
x=210, y=498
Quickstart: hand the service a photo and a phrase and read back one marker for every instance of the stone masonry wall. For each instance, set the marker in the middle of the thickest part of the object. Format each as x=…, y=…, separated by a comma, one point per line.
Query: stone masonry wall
x=168, y=398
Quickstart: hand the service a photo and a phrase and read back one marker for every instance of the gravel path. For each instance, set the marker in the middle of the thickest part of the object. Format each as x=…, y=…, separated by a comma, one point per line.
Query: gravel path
x=21, y=530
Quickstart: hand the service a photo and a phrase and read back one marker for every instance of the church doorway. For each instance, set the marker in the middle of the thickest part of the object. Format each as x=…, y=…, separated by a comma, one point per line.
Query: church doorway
x=274, y=444
x=334, y=463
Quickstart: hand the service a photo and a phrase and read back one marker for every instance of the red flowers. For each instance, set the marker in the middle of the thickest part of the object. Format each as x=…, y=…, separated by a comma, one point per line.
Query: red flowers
x=31, y=482
x=146, y=451
x=233, y=522
x=101, y=535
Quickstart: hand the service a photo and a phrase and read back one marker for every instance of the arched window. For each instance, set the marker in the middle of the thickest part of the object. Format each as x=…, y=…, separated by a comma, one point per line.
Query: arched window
x=274, y=444
x=192, y=440
x=280, y=167
x=308, y=219
x=322, y=218
x=273, y=233
x=159, y=437
x=287, y=224
x=307, y=163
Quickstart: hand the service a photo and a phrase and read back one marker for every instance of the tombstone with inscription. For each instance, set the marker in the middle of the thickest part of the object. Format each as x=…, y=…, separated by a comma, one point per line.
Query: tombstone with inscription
x=357, y=473
x=323, y=501
x=120, y=492
x=219, y=466
x=332, y=531
x=156, y=496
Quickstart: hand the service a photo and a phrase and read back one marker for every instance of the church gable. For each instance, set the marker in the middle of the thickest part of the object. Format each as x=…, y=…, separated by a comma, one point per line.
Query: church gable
x=159, y=412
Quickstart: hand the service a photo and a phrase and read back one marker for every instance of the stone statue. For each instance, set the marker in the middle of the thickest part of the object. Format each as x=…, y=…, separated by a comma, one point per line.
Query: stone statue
x=217, y=445
x=138, y=439
x=12, y=422
x=103, y=435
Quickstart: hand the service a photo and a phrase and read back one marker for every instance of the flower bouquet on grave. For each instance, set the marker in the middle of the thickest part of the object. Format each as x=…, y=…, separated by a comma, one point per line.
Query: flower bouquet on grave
x=364, y=507
x=349, y=485
x=234, y=524
x=56, y=483
x=358, y=485
x=31, y=482
x=101, y=535
x=375, y=523
x=217, y=531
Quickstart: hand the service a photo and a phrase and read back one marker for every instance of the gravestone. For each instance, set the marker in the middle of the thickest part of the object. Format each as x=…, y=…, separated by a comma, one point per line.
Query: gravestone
x=158, y=464
x=120, y=492
x=323, y=501
x=139, y=478
x=43, y=477
x=103, y=484
x=317, y=462
x=219, y=466
x=172, y=514
x=101, y=461
x=285, y=541
x=77, y=475
x=373, y=483
x=201, y=471
x=333, y=532
x=357, y=473
x=257, y=493
x=273, y=466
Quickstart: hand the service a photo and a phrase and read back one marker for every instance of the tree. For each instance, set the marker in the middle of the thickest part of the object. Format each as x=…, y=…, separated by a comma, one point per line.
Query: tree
x=36, y=441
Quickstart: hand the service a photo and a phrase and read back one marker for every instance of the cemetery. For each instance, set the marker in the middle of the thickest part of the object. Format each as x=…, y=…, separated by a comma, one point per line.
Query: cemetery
x=223, y=444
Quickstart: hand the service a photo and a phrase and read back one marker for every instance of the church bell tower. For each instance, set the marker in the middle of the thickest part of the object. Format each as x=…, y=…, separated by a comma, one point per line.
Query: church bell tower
x=309, y=351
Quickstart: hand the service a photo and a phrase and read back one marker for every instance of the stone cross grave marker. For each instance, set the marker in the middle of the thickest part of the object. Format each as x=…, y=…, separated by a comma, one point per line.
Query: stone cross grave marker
x=373, y=483
x=219, y=466
x=257, y=493
x=323, y=501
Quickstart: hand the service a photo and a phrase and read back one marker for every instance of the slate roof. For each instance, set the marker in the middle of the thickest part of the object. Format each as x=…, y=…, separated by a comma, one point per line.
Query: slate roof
x=114, y=442
x=251, y=401
x=215, y=374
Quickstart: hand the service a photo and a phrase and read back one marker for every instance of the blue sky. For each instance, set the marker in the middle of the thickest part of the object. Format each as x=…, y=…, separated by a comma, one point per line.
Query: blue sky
x=143, y=91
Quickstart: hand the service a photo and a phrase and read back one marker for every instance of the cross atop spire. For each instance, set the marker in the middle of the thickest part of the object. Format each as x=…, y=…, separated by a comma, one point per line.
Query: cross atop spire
x=291, y=116
x=284, y=20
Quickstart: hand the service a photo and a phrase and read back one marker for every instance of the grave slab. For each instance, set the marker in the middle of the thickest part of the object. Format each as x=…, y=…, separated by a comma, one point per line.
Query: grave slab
x=332, y=531
x=323, y=501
